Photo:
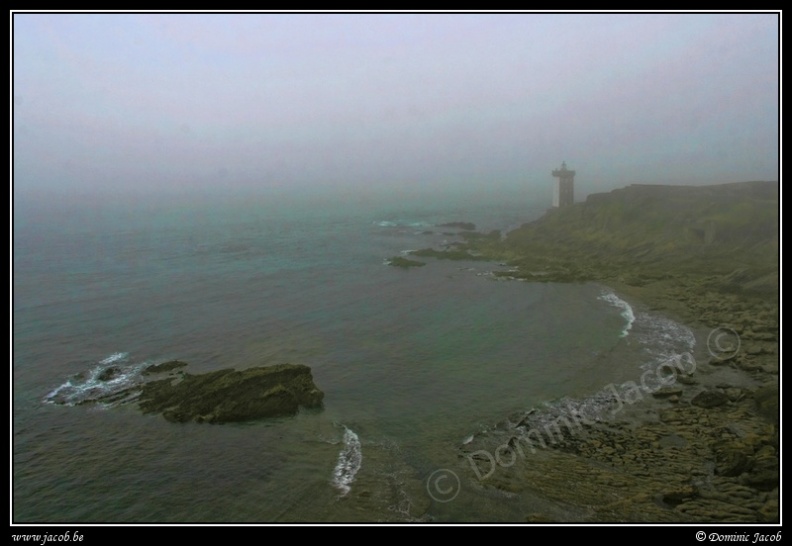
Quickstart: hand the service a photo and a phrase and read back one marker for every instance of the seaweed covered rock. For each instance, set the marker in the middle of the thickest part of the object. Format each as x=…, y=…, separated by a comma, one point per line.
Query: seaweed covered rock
x=230, y=395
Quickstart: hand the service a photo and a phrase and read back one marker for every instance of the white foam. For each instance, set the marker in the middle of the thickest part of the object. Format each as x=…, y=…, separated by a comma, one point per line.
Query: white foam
x=402, y=224
x=89, y=387
x=663, y=342
x=349, y=462
x=663, y=339
x=115, y=357
x=668, y=333
x=626, y=311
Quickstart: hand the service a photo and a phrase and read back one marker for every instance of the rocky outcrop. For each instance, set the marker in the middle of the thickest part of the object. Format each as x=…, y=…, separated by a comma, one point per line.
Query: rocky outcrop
x=460, y=252
x=231, y=395
x=399, y=261
x=164, y=367
x=216, y=397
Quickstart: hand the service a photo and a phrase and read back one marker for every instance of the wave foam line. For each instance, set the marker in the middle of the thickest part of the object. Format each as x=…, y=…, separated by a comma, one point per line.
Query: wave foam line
x=350, y=459
x=626, y=311
x=401, y=223
x=102, y=380
x=115, y=357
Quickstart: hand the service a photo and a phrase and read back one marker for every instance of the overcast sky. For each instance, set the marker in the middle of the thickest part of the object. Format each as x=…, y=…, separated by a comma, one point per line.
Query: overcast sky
x=176, y=102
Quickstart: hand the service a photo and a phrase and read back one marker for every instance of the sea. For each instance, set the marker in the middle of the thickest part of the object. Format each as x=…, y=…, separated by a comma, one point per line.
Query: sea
x=414, y=363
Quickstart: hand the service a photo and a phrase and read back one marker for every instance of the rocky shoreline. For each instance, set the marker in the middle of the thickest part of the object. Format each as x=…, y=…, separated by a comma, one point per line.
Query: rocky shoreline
x=705, y=446
x=702, y=448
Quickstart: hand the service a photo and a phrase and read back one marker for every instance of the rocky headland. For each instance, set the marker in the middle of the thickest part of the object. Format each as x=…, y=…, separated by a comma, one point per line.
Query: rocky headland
x=704, y=448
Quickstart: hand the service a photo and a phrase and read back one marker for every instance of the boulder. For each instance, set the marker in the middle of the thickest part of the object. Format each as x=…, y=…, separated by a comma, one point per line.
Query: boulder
x=109, y=374
x=710, y=399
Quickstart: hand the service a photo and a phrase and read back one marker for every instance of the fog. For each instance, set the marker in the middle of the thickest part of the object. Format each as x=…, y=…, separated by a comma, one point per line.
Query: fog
x=230, y=103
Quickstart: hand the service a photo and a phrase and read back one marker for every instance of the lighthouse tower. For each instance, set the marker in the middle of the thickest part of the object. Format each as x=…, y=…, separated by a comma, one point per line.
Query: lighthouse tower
x=563, y=192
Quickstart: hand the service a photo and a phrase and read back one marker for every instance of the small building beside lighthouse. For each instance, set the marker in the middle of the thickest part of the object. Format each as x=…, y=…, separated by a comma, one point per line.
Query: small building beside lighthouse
x=564, y=190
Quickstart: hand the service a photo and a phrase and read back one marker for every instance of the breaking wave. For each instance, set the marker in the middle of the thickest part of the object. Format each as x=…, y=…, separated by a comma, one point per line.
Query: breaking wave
x=349, y=462
x=110, y=376
x=626, y=311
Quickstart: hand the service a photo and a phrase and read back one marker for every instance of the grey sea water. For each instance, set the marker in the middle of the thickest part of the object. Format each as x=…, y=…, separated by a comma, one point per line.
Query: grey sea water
x=412, y=362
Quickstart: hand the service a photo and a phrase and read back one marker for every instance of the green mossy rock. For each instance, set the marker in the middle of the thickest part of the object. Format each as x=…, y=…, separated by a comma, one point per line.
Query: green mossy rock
x=229, y=395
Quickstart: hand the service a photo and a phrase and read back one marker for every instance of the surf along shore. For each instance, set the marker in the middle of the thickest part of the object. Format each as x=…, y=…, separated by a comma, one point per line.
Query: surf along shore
x=696, y=440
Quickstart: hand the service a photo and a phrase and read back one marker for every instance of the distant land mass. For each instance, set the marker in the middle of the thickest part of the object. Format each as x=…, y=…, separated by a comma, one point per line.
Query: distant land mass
x=725, y=234
x=708, y=451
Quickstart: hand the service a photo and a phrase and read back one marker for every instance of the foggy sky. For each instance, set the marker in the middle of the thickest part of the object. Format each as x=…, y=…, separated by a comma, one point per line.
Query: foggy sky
x=182, y=102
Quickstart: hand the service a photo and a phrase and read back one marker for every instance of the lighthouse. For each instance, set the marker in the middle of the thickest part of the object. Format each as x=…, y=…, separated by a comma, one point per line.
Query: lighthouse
x=563, y=192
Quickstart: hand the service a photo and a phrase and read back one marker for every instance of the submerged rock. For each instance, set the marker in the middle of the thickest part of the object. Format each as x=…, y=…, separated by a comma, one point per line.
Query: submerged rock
x=164, y=367
x=113, y=372
x=230, y=395
x=399, y=261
